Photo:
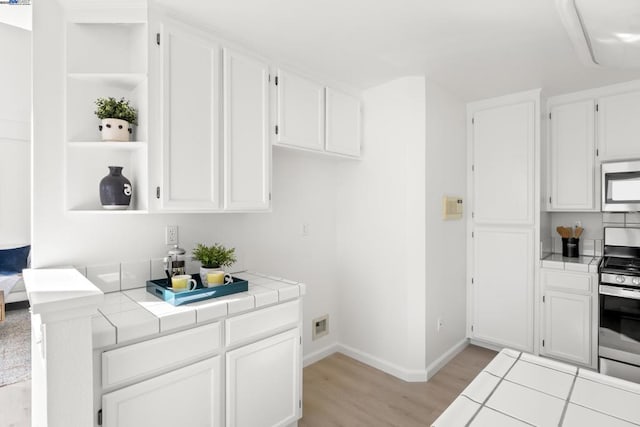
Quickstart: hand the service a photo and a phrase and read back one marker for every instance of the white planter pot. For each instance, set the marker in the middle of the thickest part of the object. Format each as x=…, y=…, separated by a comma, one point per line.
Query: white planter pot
x=115, y=130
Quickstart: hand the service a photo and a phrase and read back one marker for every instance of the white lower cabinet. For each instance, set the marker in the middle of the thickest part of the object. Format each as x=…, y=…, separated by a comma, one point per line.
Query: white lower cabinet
x=194, y=378
x=190, y=396
x=569, y=320
x=263, y=382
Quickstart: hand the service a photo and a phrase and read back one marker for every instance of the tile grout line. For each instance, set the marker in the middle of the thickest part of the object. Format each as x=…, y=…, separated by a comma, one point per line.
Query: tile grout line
x=566, y=402
x=611, y=385
x=482, y=405
x=604, y=413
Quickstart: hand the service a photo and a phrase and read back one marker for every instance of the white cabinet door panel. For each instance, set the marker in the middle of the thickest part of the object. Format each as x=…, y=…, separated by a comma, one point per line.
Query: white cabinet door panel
x=503, y=153
x=190, y=132
x=263, y=382
x=300, y=117
x=573, y=156
x=190, y=396
x=343, y=123
x=246, y=132
x=503, y=286
x=567, y=326
x=618, y=126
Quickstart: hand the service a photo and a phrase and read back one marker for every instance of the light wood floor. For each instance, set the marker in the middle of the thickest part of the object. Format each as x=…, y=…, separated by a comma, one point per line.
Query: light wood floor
x=340, y=391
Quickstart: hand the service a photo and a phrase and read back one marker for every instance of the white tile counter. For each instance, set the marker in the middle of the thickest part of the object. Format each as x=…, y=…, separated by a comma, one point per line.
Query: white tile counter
x=519, y=389
x=135, y=314
x=585, y=263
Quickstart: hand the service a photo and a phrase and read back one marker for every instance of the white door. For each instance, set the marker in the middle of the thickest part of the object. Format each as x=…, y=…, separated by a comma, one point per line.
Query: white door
x=300, y=119
x=567, y=326
x=503, y=164
x=190, y=396
x=342, y=123
x=263, y=382
x=190, y=130
x=503, y=286
x=618, y=126
x=247, y=153
x=572, y=152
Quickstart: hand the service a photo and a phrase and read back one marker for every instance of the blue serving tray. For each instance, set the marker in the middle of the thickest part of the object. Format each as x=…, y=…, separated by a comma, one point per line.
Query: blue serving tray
x=159, y=288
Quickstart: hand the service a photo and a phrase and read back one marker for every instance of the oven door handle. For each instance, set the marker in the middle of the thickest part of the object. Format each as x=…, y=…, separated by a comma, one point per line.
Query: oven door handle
x=616, y=291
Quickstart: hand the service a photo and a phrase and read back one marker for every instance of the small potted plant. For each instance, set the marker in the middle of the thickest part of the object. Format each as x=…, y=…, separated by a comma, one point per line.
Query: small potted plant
x=213, y=259
x=117, y=118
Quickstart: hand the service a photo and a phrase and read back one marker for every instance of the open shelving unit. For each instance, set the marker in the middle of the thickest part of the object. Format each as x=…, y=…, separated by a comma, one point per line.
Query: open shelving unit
x=104, y=59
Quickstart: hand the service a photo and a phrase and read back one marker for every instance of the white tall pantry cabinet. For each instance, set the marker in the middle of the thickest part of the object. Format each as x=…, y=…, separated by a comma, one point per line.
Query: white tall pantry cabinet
x=503, y=142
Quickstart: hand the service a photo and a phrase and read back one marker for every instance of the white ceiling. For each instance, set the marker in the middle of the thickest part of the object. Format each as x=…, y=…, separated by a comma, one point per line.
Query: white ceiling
x=475, y=48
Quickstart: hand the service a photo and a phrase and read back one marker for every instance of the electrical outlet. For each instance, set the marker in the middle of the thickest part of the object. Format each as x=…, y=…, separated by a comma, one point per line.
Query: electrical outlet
x=320, y=327
x=305, y=229
x=439, y=324
x=171, y=235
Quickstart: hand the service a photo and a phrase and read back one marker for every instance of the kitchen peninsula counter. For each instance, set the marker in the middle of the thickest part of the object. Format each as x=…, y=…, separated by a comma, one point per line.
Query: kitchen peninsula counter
x=137, y=314
x=97, y=358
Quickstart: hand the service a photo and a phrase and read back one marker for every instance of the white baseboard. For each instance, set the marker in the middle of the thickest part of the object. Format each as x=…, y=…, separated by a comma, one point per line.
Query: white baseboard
x=434, y=367
x=319, y=354
x=383, y=365
x=409, y=375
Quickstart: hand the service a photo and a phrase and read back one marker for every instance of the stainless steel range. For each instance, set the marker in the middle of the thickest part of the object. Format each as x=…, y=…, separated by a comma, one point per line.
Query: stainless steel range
x=619, y=343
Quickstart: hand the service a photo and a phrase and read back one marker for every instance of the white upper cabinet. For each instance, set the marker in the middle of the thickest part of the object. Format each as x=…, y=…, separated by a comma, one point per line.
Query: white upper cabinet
x=190, y=125
x=342, y=123
x=215, y=151
x=247, y=151
x=503, y=163
x=300, y=112
x=619, y=126
x=572, y=156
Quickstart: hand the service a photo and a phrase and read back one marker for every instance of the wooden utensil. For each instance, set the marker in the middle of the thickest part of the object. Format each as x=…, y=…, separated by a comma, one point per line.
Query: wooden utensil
x=579, y=231
x=564, y=232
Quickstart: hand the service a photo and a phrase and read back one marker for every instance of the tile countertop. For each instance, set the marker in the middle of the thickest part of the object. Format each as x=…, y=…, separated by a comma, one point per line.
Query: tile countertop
x=135, y=314
x=587, y=263
x=519, y=389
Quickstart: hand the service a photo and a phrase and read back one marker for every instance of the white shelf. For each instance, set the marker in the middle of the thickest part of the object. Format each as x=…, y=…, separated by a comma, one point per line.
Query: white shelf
x=99, y=210
x=110, y=145
x=127, y=81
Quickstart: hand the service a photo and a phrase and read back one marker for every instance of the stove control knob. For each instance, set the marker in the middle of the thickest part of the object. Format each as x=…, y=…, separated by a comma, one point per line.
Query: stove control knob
x=620, y=279
x=636, y=281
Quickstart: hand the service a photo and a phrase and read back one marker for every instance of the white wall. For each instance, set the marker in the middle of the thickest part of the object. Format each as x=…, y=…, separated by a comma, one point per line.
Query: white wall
x=304, y=187
x=15, y=116
x=446, y=239
x=381, y=231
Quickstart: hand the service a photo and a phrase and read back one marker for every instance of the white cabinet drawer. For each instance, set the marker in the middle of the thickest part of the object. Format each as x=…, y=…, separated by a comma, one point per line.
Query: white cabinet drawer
x=148, y=357
x=260, y=322
x=567, y=280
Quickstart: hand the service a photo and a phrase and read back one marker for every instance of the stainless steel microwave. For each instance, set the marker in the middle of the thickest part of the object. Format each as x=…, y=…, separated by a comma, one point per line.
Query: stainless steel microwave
x=621, y=186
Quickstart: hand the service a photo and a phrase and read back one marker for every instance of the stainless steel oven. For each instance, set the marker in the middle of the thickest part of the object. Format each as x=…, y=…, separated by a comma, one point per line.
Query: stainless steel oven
x=619, y=333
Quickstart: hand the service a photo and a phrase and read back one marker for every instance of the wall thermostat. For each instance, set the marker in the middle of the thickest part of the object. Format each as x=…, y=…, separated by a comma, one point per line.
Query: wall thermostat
x=451, y=207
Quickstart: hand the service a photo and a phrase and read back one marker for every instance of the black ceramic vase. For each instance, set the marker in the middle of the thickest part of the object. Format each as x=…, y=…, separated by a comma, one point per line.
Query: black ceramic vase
x=115, y=190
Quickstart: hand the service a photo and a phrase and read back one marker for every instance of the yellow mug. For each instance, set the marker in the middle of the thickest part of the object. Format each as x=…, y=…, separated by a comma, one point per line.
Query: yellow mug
x=183, y=282
x=217, y=278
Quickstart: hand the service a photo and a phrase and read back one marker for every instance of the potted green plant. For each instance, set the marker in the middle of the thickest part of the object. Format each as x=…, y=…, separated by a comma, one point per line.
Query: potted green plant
x=117, y=118
x=213, y=259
